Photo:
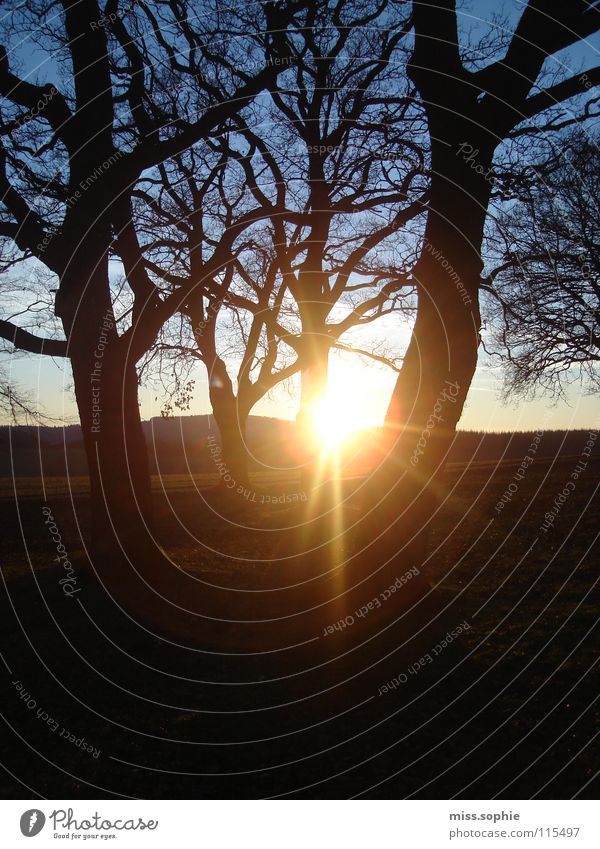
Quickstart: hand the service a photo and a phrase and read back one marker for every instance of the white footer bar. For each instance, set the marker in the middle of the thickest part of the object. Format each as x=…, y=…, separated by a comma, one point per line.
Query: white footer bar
x=303, y=824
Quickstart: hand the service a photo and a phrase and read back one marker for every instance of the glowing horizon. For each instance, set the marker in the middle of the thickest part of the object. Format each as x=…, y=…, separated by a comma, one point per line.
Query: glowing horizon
x=356, y=400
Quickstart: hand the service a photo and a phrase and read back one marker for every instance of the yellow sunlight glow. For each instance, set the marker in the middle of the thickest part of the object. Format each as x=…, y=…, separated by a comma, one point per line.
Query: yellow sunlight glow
x=335, y=417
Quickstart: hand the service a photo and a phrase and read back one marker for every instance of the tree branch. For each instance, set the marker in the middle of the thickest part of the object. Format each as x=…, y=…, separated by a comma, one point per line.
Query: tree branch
x=561, y=91
x=25, y=341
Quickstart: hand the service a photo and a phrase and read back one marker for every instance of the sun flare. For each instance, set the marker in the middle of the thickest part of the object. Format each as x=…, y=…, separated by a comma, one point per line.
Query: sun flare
x=335, y=418
x=331, y=423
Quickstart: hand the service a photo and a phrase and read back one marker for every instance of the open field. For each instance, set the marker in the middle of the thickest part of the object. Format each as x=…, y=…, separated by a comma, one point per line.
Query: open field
x=79, y=484
x=508, y=709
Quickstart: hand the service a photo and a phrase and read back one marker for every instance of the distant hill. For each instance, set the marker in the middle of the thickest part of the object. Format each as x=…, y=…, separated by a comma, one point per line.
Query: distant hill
x=175, y=446
x=178, y=445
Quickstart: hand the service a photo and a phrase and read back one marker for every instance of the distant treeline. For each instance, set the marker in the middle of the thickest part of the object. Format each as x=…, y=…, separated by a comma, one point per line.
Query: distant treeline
x=178, y=446
x=175, y=446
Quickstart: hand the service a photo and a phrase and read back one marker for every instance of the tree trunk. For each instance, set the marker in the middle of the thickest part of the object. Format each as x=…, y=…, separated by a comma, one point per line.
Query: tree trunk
x=106, y=390
x=429, y=395
x=313, y=308
x=440, y=361
x=314, y=379
x=231, y=421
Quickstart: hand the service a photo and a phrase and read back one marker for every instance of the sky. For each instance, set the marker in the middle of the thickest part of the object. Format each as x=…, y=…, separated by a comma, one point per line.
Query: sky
x=362, y=389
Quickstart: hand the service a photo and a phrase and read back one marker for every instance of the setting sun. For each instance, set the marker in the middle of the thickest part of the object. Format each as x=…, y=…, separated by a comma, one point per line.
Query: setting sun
x=332, y=423
x=336, y=417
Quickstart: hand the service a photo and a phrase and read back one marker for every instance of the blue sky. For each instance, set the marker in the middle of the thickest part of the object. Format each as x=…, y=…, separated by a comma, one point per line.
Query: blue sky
x=363, y=388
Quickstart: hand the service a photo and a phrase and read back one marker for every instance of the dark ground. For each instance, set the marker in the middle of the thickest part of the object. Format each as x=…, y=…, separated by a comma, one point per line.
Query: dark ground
x=509, y=709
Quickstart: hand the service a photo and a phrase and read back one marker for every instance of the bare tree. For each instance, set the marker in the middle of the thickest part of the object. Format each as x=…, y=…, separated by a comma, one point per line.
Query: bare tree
x=330, y=168
x=201, y=242
x=473, y=106
x=139, y=84
x=346, y=158
x=545, y=310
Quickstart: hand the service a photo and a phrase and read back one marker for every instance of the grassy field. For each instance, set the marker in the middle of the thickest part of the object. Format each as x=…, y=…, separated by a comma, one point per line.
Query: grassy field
x=78, y=485
x=508, y=709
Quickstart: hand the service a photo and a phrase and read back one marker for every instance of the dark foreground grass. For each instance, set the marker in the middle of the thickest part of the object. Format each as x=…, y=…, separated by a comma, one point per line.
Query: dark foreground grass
x=95, y=707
